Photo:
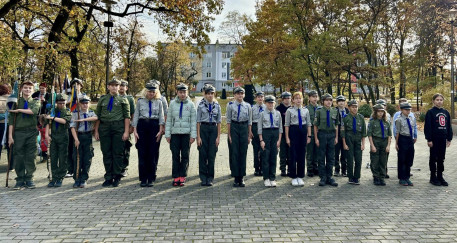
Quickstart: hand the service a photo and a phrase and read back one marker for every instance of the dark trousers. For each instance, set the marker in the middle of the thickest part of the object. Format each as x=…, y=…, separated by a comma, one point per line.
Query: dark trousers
x=298, y=138
x=239, y=133
x=437, y=156
x=207, y=152
x=230, y=156
x=112, y=147
x=354, y=155
x=180, y=148
x=86, y=153
x=270, y=153
x=70, y=159
x=256, y=148
x=284, y=154
x=326, y=153
x=59, y=155
x=311, y=156
x=148, y=149
x=379, y=158
x=24, y=152
x=405, y=156
x=340, y=157
x=2, y=130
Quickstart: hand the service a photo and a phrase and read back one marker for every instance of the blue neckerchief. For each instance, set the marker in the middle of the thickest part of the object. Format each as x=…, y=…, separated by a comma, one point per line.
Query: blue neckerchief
x=271, y=119
x=110, y=104
x=260, y=109
x=238, y=116
x=57, y=124
x=299, y=118
x=150, y=111
x=85, y=122
x=26, y=106
x=180, y=110
x=210, y=114
x=382, y=128
x=354, y=125
x=410, y=128
x=328, y=118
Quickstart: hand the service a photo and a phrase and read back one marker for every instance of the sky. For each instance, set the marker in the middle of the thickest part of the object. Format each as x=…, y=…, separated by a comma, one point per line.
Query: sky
x=243, y=6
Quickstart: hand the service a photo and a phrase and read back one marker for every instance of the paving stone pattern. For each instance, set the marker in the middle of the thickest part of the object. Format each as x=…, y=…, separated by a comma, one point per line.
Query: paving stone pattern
x=129, y=213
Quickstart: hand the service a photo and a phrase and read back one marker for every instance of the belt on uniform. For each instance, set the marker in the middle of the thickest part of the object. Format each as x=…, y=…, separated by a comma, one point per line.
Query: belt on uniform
x=303, y=125
x=254, y=123
x=149, y=119
x=111, y=122
x=270, y=128
x=84, y=132
x=241, y=122
x=208, y=123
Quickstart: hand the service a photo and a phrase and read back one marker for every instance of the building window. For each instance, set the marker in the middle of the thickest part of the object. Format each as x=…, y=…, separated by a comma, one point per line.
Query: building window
x=208, y=75
x=208, y=64
x=192, y=55
x=225, y=54
x=224, y=75
x=224, y=65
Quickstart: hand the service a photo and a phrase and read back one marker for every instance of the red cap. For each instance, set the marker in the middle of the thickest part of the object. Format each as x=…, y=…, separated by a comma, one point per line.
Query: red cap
x=43, y=85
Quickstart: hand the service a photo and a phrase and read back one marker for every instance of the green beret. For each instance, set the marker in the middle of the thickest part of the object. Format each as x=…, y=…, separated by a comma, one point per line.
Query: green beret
x=380, y=101
x=312, y=93
x=353, y=102
x=114, y=82
x=124, y=83
x=327, y=97
x=340, y=98
x=379, y=107
x=61, y=97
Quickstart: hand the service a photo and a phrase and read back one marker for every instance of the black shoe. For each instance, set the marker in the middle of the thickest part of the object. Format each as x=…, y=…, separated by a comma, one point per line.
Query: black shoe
x=75, y=185
x=316, y=172
x=344, y=174
x=107, y=183
x=356, y=181
x=387, y=176
x=53, y=183
x=442, y=181
x=204, y=183
x=30, y=185
x=209, y=182
x=382, y=182
x=124, y=173
x=150, y=183
x=83, y=184
x=350, y=181
x=18, y=185
x=58, y=183
x=283, y=173
x=376, y=181
x=331, y=182
x=143, y=184
x=261, y=173
x=310, y=174
x=242, y=184
x=434, y=181
x=116, y=182
x=322, y=182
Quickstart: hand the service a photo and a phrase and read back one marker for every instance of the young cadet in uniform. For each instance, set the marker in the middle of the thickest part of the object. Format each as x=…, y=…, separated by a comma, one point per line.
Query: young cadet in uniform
x=24, y=138
x=208, y=134
x=59, y=136
x=127, y=145
x=383, y=102
x=284, y=150
x=180, y=132
x=438, y=133
x=379, y=134
x=162, y=98
x=270, y=132
x=326, y=137
x=148, y=124
x=398, y=113
x=311, y=149
x=340, y=161
x=82, y=125
x=298, y=129
x=112, y=129
x=256, y=110
x=405, y=144
x=353, y=132
x=78, y=84
x=239, y=122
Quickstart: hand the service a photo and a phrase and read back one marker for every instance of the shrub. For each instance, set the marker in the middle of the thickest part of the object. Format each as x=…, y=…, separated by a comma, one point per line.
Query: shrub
x=391, y=109
x=365, y=110
x=422, y=116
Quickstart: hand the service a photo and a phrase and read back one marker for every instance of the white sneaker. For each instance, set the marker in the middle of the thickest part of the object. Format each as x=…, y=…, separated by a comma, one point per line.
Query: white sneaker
x=300, y=182
x=294, y=182
x=273, y=183
x=267, y=183
x=68, y=175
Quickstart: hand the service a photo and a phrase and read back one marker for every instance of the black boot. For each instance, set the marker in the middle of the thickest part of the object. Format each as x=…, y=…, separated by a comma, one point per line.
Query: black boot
x=441, y=179
x=434, y=180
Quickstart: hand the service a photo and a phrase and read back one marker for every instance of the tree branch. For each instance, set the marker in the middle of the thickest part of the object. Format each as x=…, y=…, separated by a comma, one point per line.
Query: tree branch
x=126, y=10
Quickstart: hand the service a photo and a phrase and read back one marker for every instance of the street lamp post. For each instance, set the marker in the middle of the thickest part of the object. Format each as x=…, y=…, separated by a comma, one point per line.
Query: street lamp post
x=452, y=16
x=108, y=24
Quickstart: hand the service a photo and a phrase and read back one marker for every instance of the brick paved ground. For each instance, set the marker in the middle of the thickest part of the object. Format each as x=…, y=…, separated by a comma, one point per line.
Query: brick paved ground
x=221, y=213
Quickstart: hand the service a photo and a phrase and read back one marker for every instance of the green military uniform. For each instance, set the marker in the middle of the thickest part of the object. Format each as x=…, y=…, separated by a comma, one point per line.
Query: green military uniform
x=59, y=145
x=353, y=129
x=24, y=148
x=311, y=148
x=127, y=143
x=256, y=110
x=380, y=131
x=112, y=110
x=326, y=121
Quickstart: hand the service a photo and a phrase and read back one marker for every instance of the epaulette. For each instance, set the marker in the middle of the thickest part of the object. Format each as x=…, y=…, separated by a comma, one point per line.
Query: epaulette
x=318, y=108
x=101, y=96
x=139, y=99
x=231, y=102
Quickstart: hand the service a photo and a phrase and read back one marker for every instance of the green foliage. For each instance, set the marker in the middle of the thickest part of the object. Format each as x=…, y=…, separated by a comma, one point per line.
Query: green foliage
x=440, y=88
x=391, y=109
x=422, y=116
x=365, y=110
